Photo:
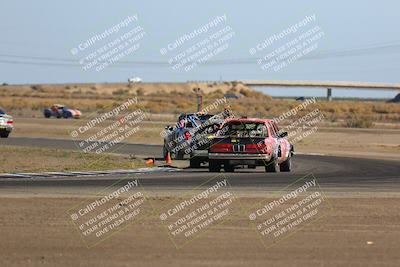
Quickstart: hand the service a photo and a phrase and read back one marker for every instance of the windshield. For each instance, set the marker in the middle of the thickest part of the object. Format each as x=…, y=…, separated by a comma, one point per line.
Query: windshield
x=245, y=129
x=2, y=111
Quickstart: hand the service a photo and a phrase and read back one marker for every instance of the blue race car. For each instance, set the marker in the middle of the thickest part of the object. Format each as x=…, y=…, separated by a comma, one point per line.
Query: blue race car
x=60, y=111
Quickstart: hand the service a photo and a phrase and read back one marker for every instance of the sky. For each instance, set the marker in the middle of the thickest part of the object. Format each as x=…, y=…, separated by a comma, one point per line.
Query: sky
x=360, y=40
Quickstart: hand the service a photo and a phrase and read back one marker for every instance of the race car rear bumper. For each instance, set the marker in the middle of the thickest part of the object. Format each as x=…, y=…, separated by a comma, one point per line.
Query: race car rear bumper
x=239, y=156
x=6, y=128
x=200, y=153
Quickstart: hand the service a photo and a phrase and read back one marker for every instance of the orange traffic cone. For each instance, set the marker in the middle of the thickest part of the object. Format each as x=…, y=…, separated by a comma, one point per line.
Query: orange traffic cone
x=150, y=162
x=168, y=160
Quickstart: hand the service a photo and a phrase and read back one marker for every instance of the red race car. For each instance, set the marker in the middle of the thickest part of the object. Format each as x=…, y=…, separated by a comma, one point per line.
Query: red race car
x=251, y=142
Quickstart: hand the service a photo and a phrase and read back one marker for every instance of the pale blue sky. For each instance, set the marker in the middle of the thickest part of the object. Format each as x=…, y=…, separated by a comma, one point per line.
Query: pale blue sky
x=49, y=29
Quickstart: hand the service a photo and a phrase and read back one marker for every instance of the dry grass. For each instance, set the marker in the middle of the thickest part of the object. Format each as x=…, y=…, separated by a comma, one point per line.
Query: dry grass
x=164, y=98
x=27, y=159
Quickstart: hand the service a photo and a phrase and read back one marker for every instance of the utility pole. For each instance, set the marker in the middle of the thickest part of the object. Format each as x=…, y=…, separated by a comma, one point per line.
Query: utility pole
x=329, y=94
x=199, y=95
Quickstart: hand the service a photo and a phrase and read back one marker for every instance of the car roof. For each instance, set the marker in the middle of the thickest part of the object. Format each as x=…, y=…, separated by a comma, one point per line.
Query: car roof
x=198, y=114
x=243, y=120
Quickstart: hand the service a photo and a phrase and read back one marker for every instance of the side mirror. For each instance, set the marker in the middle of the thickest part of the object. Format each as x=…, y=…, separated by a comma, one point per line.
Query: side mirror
x=284, y=134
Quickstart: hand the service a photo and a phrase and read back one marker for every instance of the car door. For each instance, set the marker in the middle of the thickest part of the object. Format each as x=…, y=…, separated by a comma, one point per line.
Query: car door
x=273, y=140
x=283, y=143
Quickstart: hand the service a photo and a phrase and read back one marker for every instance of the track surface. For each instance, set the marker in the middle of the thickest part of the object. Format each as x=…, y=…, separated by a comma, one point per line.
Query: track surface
x=122, y=148
x=348, y=174
x=36, y=230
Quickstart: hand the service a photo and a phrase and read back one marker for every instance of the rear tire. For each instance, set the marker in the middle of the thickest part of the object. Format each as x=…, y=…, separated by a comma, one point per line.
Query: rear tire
x=67, y=115
x=4, y=134
x=229, y=168
x=272, y=166
x=47, y=113
x=164, y=152
x=195, y=162
x=286, y=166
x=179, y=156
x=214, y=166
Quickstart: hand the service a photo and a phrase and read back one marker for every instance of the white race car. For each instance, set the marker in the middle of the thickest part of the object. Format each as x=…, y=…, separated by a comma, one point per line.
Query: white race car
x=6, y=124
x=135, y=80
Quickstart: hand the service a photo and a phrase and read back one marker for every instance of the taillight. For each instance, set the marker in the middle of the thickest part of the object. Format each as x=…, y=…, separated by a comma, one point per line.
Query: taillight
x=187, y=135
x=257, y=148
x=10, y=122
x=221, y=147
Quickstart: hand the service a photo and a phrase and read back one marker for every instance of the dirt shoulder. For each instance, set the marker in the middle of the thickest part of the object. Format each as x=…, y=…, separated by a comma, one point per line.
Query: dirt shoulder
x=381, y=144
x=33, y=159
x=36, y=231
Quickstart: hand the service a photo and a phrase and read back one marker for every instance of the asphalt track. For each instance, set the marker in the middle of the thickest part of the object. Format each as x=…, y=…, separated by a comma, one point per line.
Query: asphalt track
x=123, y=148
x=342, y=173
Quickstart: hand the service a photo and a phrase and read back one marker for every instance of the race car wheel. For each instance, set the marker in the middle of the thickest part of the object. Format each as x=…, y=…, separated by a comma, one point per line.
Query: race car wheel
x=286, y=166
x=214, y=166
x=195, y=162
x=47, y=113
x=179, y=156
x=164, y=152
x=4, y=134
x=272, y=166
x=67, y=114
x=229, y=168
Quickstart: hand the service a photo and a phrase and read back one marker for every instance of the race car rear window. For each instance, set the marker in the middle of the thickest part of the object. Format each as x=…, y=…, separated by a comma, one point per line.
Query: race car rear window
x=246, y=129
x=209, y=129
x=205, y=117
